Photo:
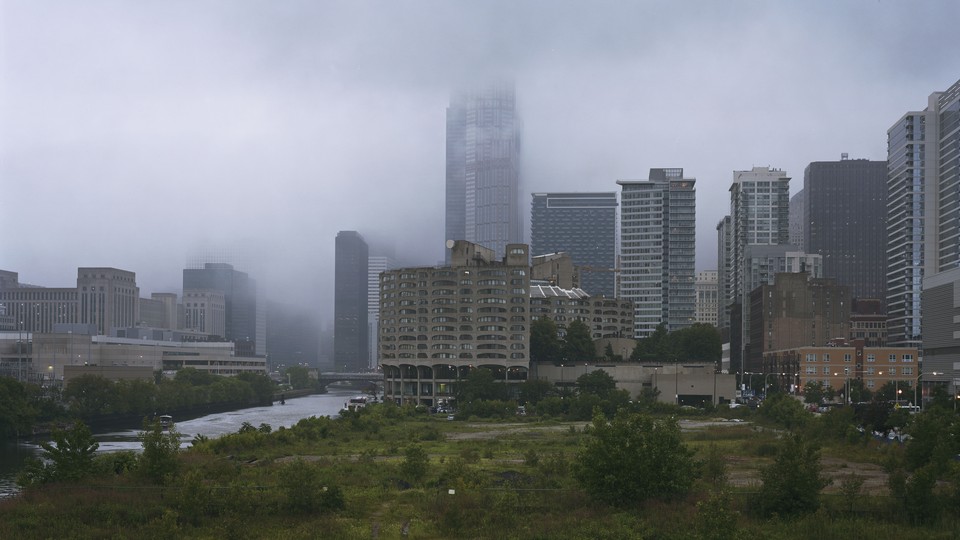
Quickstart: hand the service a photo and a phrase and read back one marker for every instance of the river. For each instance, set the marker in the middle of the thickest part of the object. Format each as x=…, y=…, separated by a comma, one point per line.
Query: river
x=13, y=456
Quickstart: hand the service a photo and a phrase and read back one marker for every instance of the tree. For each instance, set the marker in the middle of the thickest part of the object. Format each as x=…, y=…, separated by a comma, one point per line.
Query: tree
x=299, y=377
x=577, y=344
x=792, y=484
x=479, y=384
x=598, y=382
x=16, y=412
x=813, y=392
x=69, y=456
x=415, y=462
x=890, y=390
x=544, y=343
x=653, y=347
x=634, y=457
x=697, y=343
x=91, y=395
x=784, y=410
x=534, y=390
x=159, y=460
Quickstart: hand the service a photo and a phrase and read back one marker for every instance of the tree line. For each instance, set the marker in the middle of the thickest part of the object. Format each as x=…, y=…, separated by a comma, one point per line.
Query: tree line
x=23, y=406
x=697, y=343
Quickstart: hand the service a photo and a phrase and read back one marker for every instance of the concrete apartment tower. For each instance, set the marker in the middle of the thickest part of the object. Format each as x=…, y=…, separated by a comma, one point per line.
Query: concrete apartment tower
x=844, y=222
x=583, y=225
x=706, y=287
x=483, y=168
x=941, y=263
x=350, y=343
x=759, y=216
x=658, y=246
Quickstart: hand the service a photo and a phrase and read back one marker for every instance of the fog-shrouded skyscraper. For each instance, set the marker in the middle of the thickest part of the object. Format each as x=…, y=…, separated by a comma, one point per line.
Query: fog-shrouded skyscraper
x=844, y=210
x=375, y=265
x=242, y=321
x=658, y=246
x=583, y=225
x=350, y=345
x=483, y=167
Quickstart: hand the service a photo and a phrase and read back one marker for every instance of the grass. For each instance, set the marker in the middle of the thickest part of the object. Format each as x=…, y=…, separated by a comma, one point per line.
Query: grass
x=509, y=480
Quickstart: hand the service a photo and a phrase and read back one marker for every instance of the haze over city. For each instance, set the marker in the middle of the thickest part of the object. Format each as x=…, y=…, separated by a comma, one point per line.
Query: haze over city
x=134, y=135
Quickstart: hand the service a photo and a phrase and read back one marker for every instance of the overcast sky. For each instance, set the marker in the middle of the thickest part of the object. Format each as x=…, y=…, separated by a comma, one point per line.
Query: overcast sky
x=133, y=133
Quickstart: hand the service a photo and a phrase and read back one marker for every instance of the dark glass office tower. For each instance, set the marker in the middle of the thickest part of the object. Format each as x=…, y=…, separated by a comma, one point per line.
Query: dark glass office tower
x=584, y=225
x=844, y=208
x=240, y=299
x=483, y=168
x=350, y=345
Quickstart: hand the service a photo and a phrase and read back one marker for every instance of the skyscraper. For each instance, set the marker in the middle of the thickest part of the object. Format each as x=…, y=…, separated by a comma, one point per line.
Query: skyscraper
x=583, y=225
x=941, y=283
x=844, y=221
x=759, y=216
x=658, y=236
x=906, y=184
x=483, y=168
x=350, y=303
x=375, y=265
x=242, y=324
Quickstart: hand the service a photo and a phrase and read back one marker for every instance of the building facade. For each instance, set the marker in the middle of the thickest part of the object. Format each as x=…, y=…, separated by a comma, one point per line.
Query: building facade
x=605, y=317
x=707, y=297
x=844, y=212
x=941, y=284
x=658, y=246
x=437, y=324
x=350, y=343
x=797, y=228
x=583, y=225
x=795, y=311
x=483, y=168
x=838, y=363
x=725, y=287
x=243, y=324
x=376, y=264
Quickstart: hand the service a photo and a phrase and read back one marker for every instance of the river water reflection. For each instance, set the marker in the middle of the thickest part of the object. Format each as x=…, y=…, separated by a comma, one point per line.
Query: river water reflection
x=12, y=456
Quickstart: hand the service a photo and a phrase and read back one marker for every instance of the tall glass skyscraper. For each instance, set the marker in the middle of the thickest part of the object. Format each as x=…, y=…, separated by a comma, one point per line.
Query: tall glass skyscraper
x=658, y=249
x=350, y=344
x=844, y=209
x=483, y=168
x=584, y=225
x=906, y=156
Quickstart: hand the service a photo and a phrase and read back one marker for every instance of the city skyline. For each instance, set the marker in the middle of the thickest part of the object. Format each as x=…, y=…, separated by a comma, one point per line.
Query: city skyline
x=131, y=133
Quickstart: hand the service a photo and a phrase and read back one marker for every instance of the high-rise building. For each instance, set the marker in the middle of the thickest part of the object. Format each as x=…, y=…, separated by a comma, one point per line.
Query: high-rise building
x=242, y=323
x=350, y=345
x=479, y=317
x=658, y=246
x=725, y=297
x=375, y=265
x=906, y=184
x=796, y=219
x=941, y=258
x=844, y=221
x=483, y=168
x=759, y=216
x=583, y=225
x=108, y=298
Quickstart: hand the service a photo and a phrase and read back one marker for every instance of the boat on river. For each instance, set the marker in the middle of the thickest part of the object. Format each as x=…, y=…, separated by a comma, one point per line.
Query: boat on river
x=355, y=403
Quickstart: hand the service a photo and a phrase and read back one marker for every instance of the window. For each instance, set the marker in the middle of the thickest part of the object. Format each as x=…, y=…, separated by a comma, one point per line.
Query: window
x=908, y=358
x=893, y=358
x=811, y=370
x=826, y=357
x=893, y=371
x=846, y=357
x=870, y=371
x=871, y=358
x=825, y=370
x=907, y=371
x=811, y=357
x=869, y=383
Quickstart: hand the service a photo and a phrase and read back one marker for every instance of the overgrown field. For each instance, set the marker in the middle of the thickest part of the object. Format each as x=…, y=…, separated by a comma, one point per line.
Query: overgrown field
x=390, y=472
